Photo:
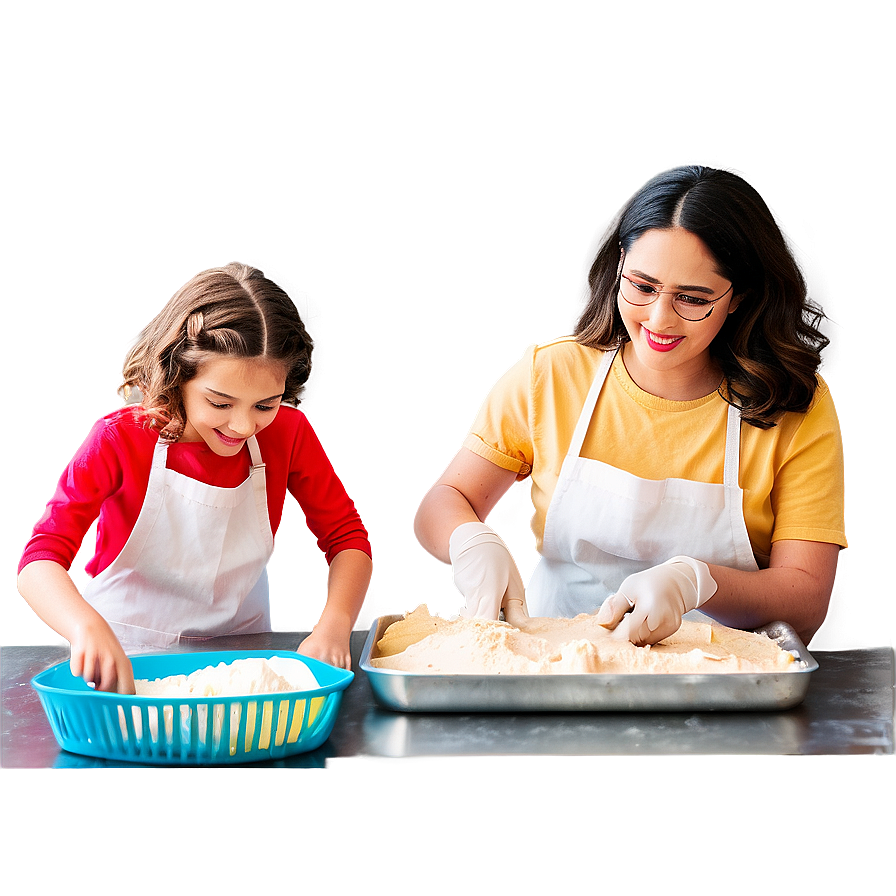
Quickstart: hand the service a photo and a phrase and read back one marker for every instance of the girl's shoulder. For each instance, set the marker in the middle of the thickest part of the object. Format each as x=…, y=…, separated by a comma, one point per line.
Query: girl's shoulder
x=289, y=427
x=127, y=425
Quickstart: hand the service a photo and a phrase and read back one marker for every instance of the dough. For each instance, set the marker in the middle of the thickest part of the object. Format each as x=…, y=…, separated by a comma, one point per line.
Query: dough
x=241, y=678
x=423, y=643
x=251, y=677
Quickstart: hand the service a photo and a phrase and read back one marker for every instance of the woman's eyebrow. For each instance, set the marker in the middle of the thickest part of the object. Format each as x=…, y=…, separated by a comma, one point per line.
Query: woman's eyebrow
x=231, y=398
x=649, y=279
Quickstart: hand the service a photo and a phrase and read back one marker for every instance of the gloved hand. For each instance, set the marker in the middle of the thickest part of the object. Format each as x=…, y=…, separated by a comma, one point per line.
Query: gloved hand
x=485, y=574
x=649, y=604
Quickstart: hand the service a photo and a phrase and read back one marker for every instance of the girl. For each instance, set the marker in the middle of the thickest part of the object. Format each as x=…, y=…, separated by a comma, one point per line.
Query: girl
x=682, y=451
x=188, y=487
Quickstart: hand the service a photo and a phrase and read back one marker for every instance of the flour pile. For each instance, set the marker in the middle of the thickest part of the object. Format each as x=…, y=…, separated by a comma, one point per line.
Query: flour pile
x=241, y=678
x=423, y=643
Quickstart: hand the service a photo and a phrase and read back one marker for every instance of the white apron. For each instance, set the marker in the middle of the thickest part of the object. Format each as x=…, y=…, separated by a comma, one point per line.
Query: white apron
x=604, y=524
x=194, y=564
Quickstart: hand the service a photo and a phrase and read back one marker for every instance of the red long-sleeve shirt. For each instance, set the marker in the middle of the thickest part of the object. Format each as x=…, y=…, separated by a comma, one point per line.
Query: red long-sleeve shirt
x=107, y=480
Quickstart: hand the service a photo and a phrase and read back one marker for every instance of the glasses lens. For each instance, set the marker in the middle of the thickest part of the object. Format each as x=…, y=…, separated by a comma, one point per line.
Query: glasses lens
x=637, y=293
x=690, y=308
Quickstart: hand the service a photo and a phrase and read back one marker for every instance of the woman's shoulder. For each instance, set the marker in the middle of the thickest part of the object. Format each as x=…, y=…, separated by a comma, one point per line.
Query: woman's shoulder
x=795, y=427
x=564, y=357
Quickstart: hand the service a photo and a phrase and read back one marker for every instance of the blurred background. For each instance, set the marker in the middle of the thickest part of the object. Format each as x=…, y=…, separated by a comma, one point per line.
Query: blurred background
x=429, y=183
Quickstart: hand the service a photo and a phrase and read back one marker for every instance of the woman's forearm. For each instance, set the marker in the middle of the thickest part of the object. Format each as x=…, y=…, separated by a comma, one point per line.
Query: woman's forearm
x=465, y=493
x=796, y=589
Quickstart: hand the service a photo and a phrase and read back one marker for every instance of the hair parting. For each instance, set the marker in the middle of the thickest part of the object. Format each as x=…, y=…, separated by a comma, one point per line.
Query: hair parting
x=233, y=310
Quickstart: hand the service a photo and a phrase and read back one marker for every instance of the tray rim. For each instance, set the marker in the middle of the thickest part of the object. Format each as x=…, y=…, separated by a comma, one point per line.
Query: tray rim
x=805, y=662
x=381, y=679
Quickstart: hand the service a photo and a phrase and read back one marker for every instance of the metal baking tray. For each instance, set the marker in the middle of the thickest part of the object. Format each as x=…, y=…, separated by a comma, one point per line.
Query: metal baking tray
x=592, y=692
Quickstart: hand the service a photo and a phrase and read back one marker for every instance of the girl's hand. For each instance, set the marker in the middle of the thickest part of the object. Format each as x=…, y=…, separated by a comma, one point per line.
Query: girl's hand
x=328, y=648
x=330, y=640
x=649, y=604
x=97, y=657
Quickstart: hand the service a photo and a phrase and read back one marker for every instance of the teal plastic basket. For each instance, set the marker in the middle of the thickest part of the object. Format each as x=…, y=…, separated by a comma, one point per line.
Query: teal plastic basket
x=194, y=730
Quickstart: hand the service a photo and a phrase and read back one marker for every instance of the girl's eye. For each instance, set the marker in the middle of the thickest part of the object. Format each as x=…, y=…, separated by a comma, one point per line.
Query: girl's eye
x=219, y=407
x=265, y=407
x=644, y=288
x=693, y=300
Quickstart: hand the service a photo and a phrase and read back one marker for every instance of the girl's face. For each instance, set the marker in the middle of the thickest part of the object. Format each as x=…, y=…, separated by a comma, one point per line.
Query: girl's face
x=669, y=356
x=231, y=399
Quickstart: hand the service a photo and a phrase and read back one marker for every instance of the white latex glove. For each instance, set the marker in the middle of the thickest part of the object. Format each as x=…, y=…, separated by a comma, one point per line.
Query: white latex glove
x=485, y=574
x=649, y=604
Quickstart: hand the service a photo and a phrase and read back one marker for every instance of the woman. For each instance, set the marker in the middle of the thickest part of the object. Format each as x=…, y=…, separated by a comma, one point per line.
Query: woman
x=683, y=452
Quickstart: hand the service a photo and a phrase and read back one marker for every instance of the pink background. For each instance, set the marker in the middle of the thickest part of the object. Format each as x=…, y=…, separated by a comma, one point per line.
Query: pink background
x=436, y=172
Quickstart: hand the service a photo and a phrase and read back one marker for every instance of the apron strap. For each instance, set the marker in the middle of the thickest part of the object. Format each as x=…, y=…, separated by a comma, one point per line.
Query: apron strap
x=732, y=432
x=578, y=437
x=732, y=448
x=259, y=488
x=254, y=453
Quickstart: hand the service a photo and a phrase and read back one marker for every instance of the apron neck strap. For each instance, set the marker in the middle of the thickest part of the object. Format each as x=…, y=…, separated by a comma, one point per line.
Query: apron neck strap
x=578, y=437
x=254, y=452
x=732, y=448
x=160, y=452
x=732, y=433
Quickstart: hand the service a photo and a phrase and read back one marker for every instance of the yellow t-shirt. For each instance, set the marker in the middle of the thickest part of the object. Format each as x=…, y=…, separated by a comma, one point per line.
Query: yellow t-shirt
x=791, y=474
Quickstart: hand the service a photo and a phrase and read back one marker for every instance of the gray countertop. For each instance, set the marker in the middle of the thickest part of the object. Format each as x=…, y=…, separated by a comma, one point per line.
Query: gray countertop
x=848, y=709
x=795, y=801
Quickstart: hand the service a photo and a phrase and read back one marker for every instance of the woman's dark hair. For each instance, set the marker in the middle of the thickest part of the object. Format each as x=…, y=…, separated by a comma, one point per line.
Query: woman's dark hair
x=770, y=347
x=233, y=310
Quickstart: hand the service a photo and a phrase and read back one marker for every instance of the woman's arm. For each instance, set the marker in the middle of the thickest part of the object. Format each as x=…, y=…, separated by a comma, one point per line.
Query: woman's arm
x=465, y=493
x=97, y=655
x=347, y=585
x=796, y=589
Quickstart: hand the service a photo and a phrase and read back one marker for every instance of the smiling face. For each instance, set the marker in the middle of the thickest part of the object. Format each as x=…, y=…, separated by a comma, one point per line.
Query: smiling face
x=231, y=399
x=669, y=356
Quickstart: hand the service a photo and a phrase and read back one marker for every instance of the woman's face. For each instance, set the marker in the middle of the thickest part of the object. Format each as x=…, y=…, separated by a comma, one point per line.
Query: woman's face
x=669, y=356
x=231, y=399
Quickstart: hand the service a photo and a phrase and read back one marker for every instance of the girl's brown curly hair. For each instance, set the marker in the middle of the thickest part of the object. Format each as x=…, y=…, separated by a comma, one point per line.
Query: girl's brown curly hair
x=233, y=310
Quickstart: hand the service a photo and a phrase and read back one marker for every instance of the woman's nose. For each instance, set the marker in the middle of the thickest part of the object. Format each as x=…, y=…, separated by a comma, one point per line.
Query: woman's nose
x=662, y=314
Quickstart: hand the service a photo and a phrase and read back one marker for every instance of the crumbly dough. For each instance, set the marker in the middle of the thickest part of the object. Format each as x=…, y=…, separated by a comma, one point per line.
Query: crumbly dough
x=241, y=678
x=254, y=676
x=422, y=643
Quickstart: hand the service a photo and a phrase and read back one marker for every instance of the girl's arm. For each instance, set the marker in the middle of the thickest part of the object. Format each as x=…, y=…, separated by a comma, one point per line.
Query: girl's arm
x=465, y=493
x=97, y=655
x=796, y=589
x=347, y=584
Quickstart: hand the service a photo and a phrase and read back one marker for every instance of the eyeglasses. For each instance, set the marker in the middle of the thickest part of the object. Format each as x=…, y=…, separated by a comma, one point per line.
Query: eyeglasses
x=692, y=308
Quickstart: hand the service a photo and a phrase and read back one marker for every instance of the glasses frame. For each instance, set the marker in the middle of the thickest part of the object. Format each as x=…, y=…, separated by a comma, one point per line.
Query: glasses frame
x=674, y=293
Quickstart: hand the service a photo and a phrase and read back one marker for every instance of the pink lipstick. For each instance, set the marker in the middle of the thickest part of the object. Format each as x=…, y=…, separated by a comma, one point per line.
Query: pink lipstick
x=661, y=343
x=230, y=443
